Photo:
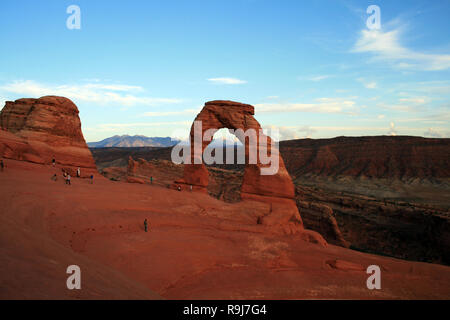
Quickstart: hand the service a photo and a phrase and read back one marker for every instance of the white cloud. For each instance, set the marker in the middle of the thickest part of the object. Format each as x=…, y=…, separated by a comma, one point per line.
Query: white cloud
x=113, y=87
x=415, y=100
x=89, y=92
x=386, y=46
x=432, y=133
x=436, y=133
x=368, y=84
x=319, y=78
x=322, y=105
x=315, y=78
x=116, y=127
x=227, y=81
x=381, y=116
x=398, y=107
x=392, y=131
x=280, y=133
x=170, y=113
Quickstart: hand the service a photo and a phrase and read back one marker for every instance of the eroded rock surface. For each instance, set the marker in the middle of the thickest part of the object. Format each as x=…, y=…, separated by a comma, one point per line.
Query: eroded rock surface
x=38, y=130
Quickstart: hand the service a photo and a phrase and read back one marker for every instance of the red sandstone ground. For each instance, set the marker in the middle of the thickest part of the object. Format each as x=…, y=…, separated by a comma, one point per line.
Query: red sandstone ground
x=197, y=247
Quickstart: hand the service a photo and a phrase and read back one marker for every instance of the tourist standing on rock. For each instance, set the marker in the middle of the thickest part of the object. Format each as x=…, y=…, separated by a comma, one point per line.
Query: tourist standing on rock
x=68, y=179
x=190, y=187
x=2, y=165
x=92, y=179
x=55, y=177
x=53, y=161
x=78, y=172
x=145, y=225
x=151, y=180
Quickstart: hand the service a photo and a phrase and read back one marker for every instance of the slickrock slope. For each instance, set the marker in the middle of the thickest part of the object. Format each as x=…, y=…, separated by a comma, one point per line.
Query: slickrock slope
x=39, y=129
x=197, y=247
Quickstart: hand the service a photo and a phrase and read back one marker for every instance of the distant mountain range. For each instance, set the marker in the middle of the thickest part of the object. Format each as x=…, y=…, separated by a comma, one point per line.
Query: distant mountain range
x=134, y=141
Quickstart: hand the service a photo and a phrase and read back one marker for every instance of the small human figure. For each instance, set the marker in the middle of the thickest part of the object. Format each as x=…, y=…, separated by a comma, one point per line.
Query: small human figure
x=2, y=165
x=68, y=179
x=145, y=225
x=78, y=172
x=179, y=188
x=53, y=161
x=92, y=179
x=151, y=180
x=64, y=173
x=190, y=187
x=54, y=177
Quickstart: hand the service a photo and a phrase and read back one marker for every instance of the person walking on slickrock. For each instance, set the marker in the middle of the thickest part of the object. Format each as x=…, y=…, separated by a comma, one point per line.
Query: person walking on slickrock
x=145, y=225
x=2, y=165
x=68, y=179
x=53, y=161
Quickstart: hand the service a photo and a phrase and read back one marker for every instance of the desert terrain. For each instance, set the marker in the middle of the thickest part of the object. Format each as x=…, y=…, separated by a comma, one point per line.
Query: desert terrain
x=384, y=195
x=198, y=246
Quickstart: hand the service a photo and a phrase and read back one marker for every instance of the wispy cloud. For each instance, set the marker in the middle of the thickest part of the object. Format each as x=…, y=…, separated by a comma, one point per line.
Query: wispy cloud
x=320, y=77
x=436, y=133
x=321, y=105
x=227, y=81
x=415, y=100
x=316, y=78
x=280, y=133
x=89, y=92
x=170, y=113
x=386, y=46
x=410, y=104
x=117, y=127
x=368, y=84
x=392, y=131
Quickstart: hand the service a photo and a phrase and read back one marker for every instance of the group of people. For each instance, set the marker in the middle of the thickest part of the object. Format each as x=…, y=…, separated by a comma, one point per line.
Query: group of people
x=66, y=174
x=67, y=178
x=179, y=188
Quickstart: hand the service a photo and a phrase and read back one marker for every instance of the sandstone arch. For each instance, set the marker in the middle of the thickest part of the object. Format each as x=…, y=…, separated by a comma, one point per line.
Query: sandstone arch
x=277, y=190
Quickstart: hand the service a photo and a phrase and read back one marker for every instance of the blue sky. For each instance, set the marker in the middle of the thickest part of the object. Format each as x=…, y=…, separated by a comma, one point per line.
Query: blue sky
x=310, y=68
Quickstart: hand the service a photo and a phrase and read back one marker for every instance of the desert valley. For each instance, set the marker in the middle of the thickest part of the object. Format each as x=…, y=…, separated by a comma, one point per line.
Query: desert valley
x=336, y=207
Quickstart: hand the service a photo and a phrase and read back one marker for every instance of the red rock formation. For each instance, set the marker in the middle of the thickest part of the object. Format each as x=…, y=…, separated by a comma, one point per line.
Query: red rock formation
x=276, y=189
x=39, y=129
x=233, y=115
x=400, y=157
x=321, y=218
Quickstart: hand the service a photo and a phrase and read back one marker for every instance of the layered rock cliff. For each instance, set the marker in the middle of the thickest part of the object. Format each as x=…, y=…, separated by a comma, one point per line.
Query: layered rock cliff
x=38, y=130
